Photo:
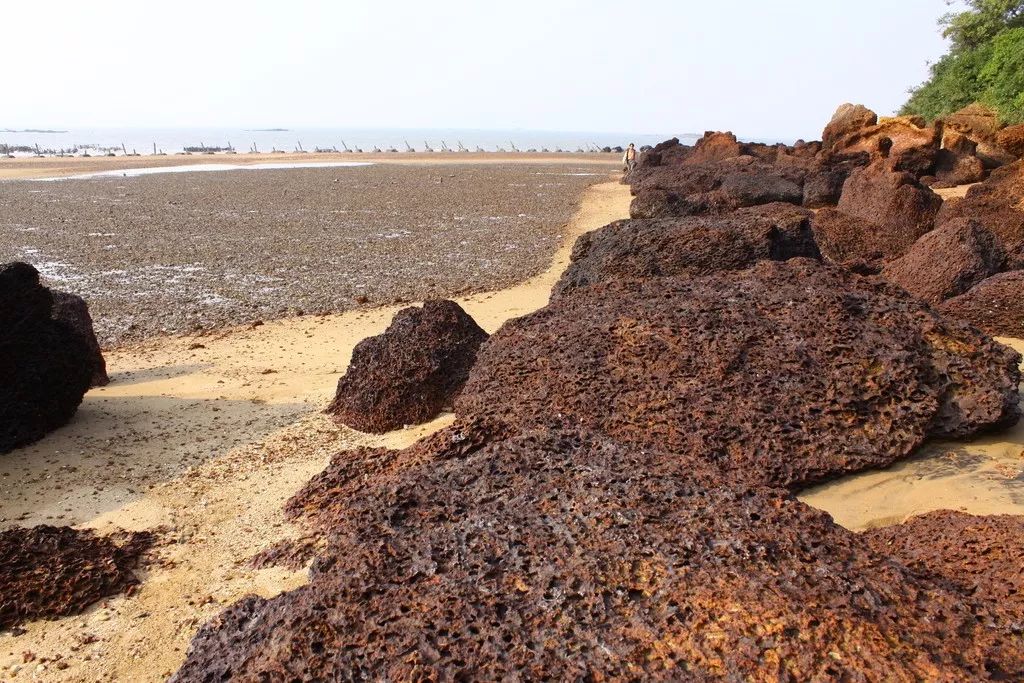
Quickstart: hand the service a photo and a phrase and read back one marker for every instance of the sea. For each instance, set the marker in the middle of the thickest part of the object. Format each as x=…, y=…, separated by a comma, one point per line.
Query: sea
x=174, y=140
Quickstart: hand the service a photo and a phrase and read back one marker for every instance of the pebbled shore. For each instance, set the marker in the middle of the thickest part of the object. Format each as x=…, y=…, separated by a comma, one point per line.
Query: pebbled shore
x=192, y=252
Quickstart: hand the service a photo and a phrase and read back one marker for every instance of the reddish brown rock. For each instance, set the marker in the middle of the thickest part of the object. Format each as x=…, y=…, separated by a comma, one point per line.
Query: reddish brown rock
x=49, y=571
x=899, y=205
x=947, y=261
x=845, y=239
x=825, y=178
x=714, y=146
x=908, y=141
x=980, y=124
x=559, y=555
x=794, y=371
x=980, y=556
x=847, y=119
x=411, y=372
x=998, y=203
x=995, y=305
x=72, y=310
x=1011, y=139
x=45, y=368
x=689, y=247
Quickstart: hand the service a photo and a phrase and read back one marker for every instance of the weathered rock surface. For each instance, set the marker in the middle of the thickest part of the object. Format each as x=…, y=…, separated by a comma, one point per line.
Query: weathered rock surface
x=911, y=144
x=45, y=368
x=847, y=119
x=998, y=203
x=995, y=305
x=1012, y=140
x=947, y=261
x=795, y=371
x=825, y=178
x=411, y=372
x=980, y=124
x=49, y=571
x=693, y=246
x=980, y=556
x=72, y=310
x=553, y=554
x=901, y=207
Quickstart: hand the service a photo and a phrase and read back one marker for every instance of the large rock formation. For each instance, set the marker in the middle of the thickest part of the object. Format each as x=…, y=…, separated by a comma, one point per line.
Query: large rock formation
x=49, y=571
x=998, y=203
x=912, y=145
x=995, y=305
x=980, y=124
x=894, y=201
x=947, y=261
x=793, y=370
x=561, y=555
x=411, y=372
x=1011, y=139
x=72, y=310
x=847, y=120
x=691, y=247
x=980, y=556
x=45, y=367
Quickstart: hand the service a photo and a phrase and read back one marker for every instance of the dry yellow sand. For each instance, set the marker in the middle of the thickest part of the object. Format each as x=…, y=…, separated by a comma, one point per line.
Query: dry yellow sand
x=49, y=167
x=208, y=436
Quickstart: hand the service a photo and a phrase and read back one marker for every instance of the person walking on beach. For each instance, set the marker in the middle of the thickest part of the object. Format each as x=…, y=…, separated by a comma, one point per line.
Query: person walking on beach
x=629, y=158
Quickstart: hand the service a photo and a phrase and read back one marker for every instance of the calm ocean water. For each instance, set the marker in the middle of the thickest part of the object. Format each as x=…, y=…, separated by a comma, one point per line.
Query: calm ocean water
x=171, y=140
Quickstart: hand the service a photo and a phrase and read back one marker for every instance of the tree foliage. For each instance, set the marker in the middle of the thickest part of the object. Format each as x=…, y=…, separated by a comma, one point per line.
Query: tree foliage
x=985, y=63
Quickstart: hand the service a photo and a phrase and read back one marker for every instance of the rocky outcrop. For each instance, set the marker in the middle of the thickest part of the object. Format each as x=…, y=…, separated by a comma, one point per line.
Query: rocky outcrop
x=689, y=247
x=957, y=162
x=947, y=261
x=998, y=203
x=911, y=144
x=1011, y=139
x=558, y=554
x=49, y=571
x=995, y=305
x=894, y=201
x=980, y=124
x=45, y=368
x=847, y=120
x=72, y=310
x=980, y=556
x=411, y=372
x=794, y=371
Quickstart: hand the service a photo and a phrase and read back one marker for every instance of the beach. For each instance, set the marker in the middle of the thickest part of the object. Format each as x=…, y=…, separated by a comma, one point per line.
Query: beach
x=176, y=253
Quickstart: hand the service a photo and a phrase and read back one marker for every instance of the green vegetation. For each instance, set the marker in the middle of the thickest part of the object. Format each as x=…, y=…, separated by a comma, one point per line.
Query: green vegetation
x=985, y=63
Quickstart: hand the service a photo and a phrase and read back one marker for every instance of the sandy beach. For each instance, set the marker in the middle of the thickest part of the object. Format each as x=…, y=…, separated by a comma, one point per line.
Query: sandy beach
x=183, y=252
x=49, y=167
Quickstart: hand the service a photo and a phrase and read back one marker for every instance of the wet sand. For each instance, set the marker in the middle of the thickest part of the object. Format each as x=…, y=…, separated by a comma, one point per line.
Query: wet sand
x=48, y=167
x=183, y=252
x=208, y=442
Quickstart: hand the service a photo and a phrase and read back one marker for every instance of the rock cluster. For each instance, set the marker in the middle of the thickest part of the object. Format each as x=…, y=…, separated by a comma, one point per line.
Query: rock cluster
x=45, y=366
x=49, y=571
x=411, y=372
x=616, y=497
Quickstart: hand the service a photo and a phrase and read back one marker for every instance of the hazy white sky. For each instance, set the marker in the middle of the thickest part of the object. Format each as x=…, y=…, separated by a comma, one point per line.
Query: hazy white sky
x=762, y=68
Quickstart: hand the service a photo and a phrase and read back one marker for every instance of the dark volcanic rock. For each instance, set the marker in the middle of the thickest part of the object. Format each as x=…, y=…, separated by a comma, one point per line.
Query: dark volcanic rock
x=45, y=368
x=693, y=246
x=901, y=207
x=411, y=372
x=557, y=555
x=72, y=310
x=999, y=204
x=825, y=179
x=980, y=556
x=846, y=239
x=947, y=261
x=747, y=189
x=794, y=371
x=49, y=571
x=995, y=305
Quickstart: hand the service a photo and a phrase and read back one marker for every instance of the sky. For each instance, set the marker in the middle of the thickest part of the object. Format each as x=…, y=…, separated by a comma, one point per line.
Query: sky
x=772, y=69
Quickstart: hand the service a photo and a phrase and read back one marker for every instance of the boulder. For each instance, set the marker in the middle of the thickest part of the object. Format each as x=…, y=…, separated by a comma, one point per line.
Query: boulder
x=1011, y=139
x=998, y=203
x=714, y=146
x=981, y=124
x=45, y=367
x=749, y=189
x=908, y=141
x=847, y=119
x=979, y=556
x=72, y=310
x=846, y=239
x=411, y=372
x=947, y=261
x=994, y=305
x=559, y=554
x=50, y=572
x=901, y=207
x=825, y=178
x=795, y=371
x=690, y=247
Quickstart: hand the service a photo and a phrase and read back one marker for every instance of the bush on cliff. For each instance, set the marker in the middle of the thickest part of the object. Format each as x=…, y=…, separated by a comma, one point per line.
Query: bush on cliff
x=985, y=63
